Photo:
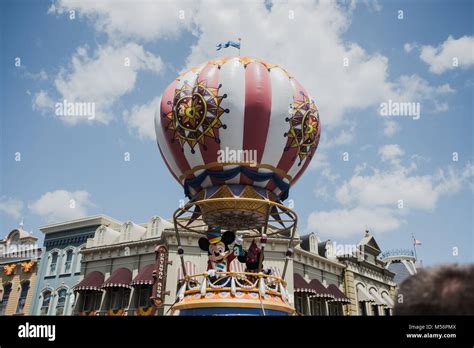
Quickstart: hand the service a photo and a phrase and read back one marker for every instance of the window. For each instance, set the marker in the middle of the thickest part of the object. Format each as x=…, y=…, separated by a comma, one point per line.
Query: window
x=91, y=301
x=53, y=264
x=61, y=301
x=68, y=262
x=299, y=303
x=7, y=288
x=25, y=287
x=387, y=311
x=79, y=259
x=313, y=244
x=335, y=308
x=375, y=310
x=317, y=306
x=143, y=297
x=45, y=304
x=362, y=308
x=15, y=238
x=119, y=298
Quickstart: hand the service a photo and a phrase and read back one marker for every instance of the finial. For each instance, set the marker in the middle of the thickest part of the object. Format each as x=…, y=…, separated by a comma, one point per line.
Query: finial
x=21, y=224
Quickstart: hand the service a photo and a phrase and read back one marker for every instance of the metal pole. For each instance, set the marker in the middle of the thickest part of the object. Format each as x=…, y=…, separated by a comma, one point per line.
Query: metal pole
x=180, y=248
x=414, y=246
x=240, y=44
x=289, y=248
x=263, y=237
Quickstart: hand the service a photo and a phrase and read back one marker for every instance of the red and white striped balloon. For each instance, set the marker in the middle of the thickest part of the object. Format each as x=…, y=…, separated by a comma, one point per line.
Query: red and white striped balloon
x=232, y=104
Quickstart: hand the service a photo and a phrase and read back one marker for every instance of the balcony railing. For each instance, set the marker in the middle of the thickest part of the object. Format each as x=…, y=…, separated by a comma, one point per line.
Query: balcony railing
x=398, y=252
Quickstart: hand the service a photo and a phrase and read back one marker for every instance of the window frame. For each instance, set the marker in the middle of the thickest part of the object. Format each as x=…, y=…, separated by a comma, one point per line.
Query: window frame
x=66, y=252
x=50, y=263
x=42, y=306
x=3, y=303
x=57, y=302
x=21, y=306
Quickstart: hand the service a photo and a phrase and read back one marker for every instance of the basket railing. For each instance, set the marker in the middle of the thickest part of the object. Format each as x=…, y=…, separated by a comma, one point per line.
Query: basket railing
x=233, y=282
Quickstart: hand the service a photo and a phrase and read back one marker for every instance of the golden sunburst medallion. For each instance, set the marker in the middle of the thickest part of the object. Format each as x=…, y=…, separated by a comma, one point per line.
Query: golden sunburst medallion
x=196, y=114
x=304, y=127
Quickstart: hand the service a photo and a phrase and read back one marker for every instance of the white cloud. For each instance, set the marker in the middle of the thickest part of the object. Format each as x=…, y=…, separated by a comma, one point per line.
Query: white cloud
x=11, y=206
x=390, y=152
x=374, y=199
x=343, y=138
x=390, y=128
x=284, y=30
x=62, y=205
x=342, y=223
x=101, y=78
x=42, y=101
x=408, y=47
x=144, y=20
x=140, y=119
x=413, y=88
x=385, y=189
x=449, y=55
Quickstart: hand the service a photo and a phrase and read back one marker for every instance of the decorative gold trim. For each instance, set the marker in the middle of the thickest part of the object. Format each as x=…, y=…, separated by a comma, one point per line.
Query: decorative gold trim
x=234, y=303
x=211, y=165
x=182, y=216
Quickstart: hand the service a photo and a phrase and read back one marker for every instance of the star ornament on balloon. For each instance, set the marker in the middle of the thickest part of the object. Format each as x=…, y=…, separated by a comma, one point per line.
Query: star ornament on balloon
x=195, y=114
x=305, y=129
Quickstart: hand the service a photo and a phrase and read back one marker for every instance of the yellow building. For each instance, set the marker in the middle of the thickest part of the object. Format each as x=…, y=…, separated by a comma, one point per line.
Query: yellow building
x=19, y=256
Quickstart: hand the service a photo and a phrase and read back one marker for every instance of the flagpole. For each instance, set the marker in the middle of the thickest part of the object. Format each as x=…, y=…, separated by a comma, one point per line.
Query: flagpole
x=414, y=245
x=240, y=44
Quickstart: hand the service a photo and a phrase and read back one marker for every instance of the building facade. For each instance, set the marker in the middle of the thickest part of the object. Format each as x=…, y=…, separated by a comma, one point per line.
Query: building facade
x=19, y=256
x=319, y=279
x=369, y=285
x=119, y=263
x=60, y=266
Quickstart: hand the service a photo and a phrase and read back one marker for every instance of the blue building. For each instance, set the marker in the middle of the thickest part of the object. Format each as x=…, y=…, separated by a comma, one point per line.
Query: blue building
x=60, y=265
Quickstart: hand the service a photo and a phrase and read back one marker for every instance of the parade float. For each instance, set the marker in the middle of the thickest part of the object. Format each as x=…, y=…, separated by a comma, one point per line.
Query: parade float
x=236, y=133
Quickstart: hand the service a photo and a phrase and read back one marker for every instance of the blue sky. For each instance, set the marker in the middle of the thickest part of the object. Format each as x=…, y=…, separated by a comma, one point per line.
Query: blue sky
x=390, y=158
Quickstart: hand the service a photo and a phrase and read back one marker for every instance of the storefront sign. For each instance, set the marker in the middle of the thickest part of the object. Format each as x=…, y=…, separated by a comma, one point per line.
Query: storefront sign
x=159, y=275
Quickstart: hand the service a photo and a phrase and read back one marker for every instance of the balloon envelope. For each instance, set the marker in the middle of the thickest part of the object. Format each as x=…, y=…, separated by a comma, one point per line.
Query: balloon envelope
x=237, y=121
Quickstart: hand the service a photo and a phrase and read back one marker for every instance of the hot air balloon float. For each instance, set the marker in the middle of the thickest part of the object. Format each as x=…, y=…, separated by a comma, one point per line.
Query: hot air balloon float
x=236, y=133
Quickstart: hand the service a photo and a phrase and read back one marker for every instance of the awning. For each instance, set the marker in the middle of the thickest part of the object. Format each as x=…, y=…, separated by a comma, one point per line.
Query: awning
x=145, y=276
x=378, y=300
x=320, y=289
x=337, y=294
x=121, y=277
x=301, y=285
x=363, y=295
x=388, y=300
x=92, y=281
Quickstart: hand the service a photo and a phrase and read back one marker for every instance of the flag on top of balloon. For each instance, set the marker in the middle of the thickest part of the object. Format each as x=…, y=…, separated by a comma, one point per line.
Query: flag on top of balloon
x=228, y=44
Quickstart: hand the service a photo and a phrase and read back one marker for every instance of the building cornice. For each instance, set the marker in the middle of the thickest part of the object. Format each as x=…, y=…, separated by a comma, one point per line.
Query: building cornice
x=318, y=257
x=80, y=223
x=111, y=247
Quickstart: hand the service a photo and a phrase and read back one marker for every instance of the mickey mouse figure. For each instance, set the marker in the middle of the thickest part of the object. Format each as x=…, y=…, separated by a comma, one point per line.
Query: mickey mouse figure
x=217, y=245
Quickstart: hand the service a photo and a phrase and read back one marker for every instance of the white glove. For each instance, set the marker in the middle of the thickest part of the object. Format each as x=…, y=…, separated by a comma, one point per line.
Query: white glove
x=211, y=273
x=239, y=240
